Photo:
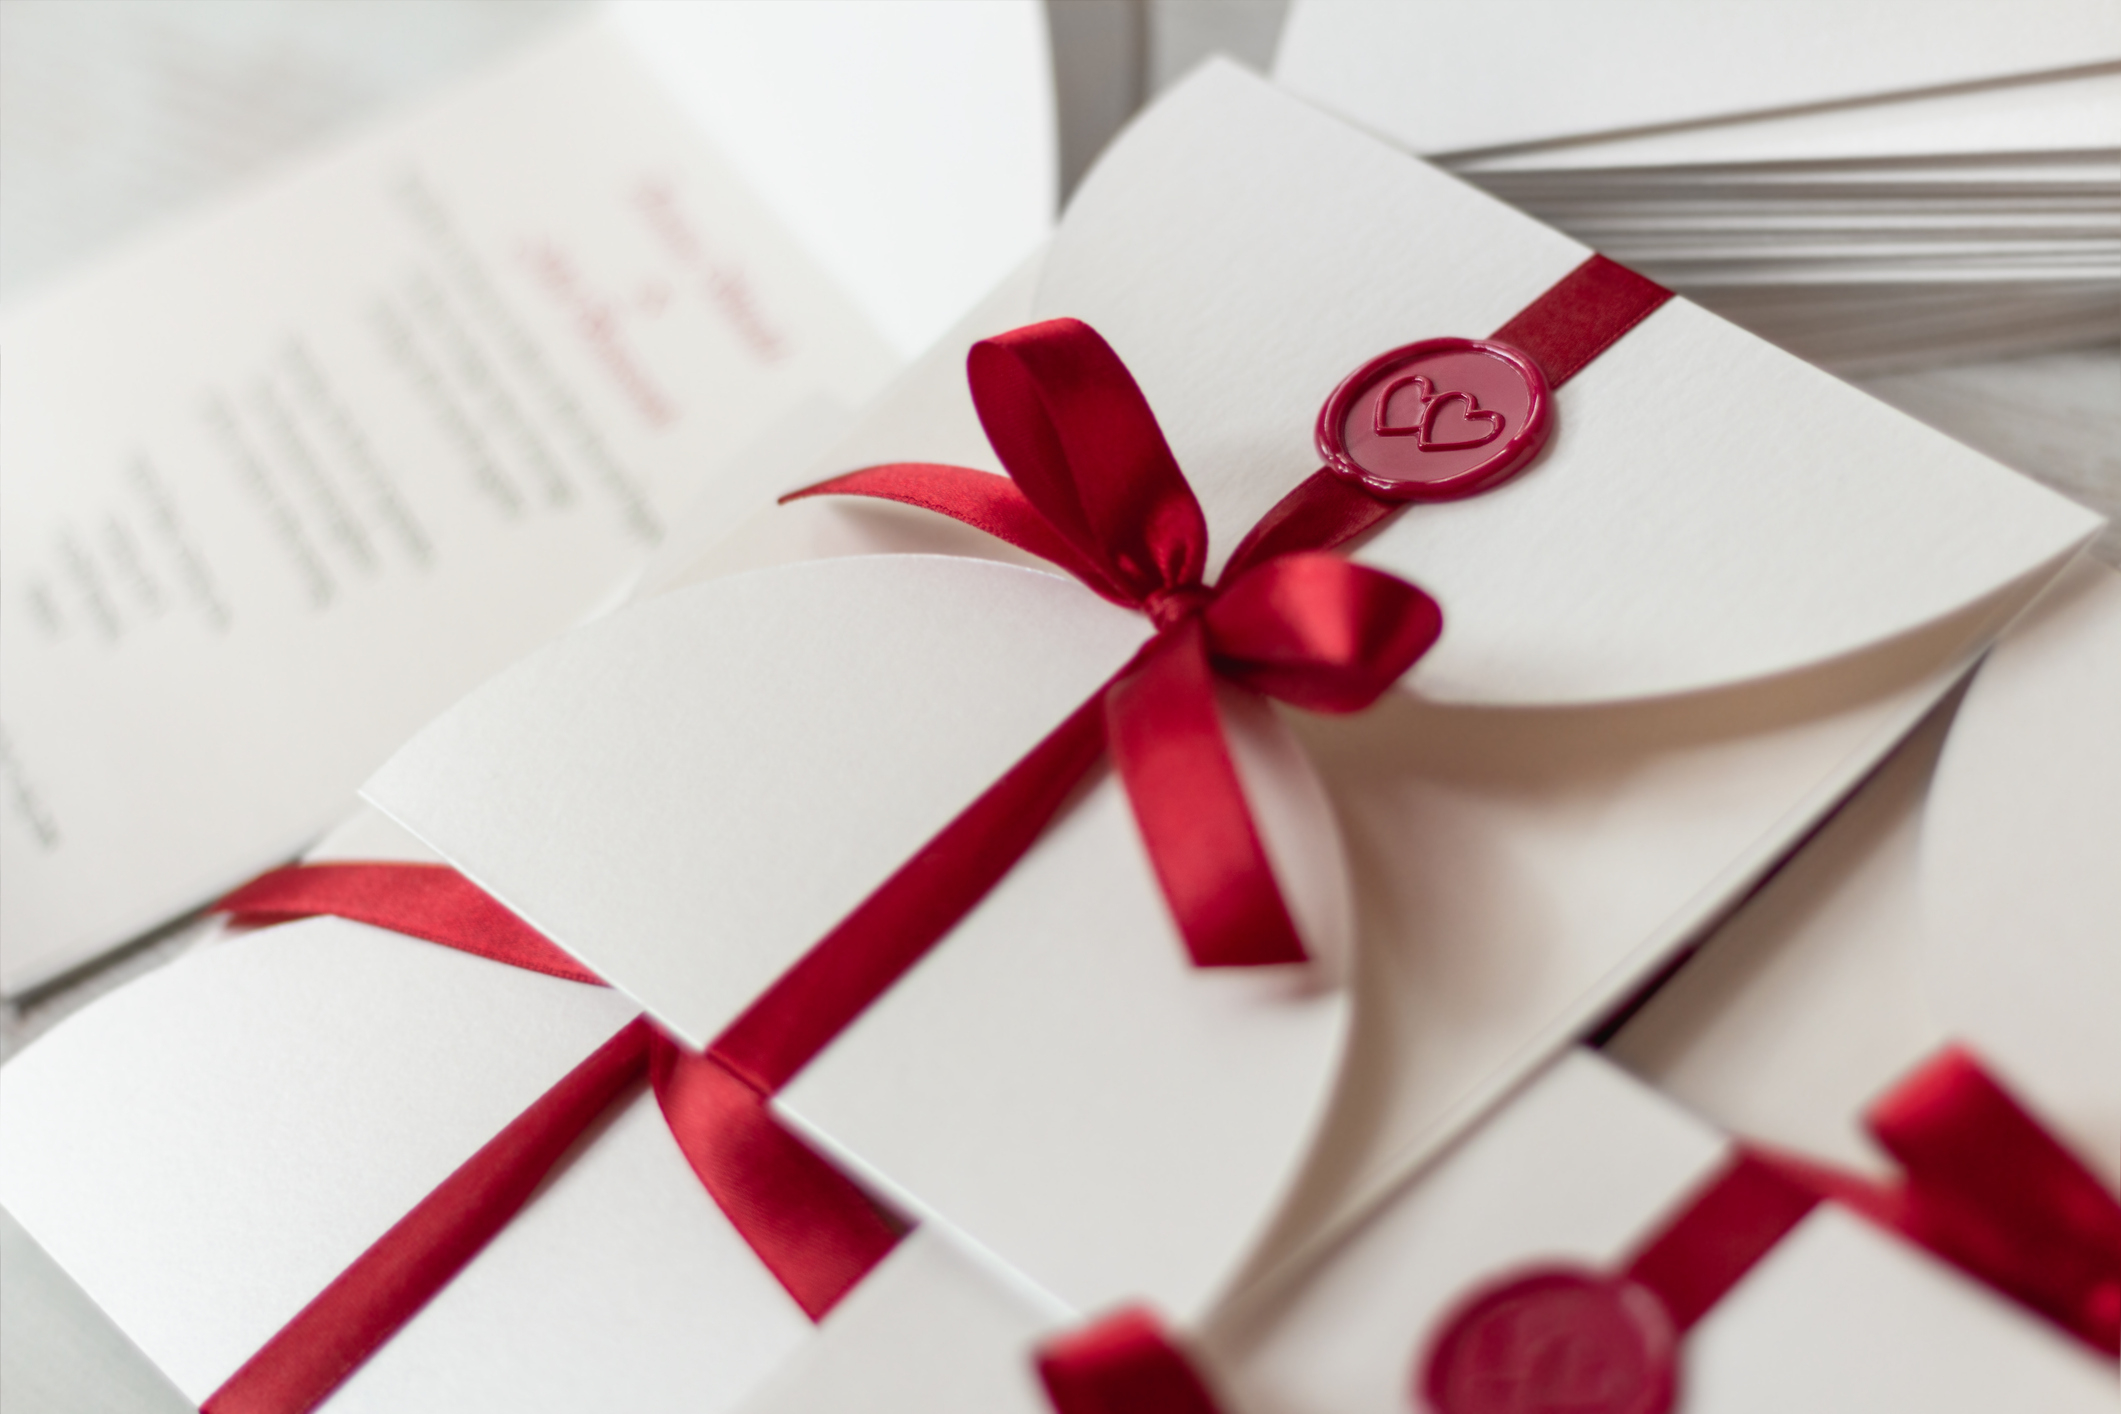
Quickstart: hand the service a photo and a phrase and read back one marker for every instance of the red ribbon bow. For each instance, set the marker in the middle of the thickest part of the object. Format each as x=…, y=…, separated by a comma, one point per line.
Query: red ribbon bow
x=1093, y=488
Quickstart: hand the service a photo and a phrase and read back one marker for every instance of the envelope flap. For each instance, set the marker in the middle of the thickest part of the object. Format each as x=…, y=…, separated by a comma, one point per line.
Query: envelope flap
x=690, y=793
x=205, y=1149
x=1709, y=510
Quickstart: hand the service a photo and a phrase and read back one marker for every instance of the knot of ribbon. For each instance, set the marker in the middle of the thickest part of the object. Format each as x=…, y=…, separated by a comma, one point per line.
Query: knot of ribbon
x=1093, y=488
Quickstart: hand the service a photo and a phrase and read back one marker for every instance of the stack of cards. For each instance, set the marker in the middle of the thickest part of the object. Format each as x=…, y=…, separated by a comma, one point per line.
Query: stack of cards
x=1097, y=912
x=1862, y=190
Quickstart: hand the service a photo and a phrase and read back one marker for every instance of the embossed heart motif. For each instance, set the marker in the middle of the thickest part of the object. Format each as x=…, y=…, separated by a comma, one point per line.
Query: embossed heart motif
x=1446, y=422
x=1381, y=413
x=1452, y=422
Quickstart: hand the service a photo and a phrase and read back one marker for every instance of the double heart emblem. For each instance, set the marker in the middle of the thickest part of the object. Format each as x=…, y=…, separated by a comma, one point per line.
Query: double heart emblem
x=1444, y=422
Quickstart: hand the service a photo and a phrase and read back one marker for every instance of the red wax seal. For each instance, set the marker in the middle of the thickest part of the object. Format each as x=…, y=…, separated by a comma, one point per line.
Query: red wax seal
x=1436, y=420
x=1554, y=1341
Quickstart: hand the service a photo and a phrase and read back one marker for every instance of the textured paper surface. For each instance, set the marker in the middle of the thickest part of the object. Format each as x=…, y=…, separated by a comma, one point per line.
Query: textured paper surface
x=724, y=772
x=1709, y=509
x=2020, y=890
x=206, y=1148
x=1971, y=902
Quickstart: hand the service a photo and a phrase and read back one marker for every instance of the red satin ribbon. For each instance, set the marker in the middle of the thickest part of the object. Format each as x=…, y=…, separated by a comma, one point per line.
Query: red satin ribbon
x=1124, y=1363
x=815, y=1231
x=1984, y=1185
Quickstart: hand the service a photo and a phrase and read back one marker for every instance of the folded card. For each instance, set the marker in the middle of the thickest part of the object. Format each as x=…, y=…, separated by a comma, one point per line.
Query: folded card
x=284, y=480
x=1583, y=1168
x=1570, y=71
x=1670, y=645
x=206, y=1148
x=1967, y=892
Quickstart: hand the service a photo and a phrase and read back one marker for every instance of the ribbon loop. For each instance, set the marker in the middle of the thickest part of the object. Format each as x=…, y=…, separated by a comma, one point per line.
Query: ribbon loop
x=1320, y=633
x=1070, y=424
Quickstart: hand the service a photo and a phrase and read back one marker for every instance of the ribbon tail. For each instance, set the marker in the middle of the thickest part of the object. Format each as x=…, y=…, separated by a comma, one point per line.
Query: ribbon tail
x=979, y=499
x=1167, y=743
x=810, y=1225
x=391, y=1282
x=432, y=902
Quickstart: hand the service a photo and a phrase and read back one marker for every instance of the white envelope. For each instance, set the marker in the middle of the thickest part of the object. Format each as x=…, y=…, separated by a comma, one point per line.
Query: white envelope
x=1723, y=592
x=1455, y=78
x=1967, y=892
x=1581, y=1168
x=203, y=1150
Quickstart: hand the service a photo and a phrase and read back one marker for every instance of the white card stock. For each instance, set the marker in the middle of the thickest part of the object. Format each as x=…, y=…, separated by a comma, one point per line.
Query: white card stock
x=1860, y=190
x=205, y=1149
x=1549, y=69
x=1670, y=647
x=2021, y=896
x=1581, y=1168
x=285, y=480
x=904, y=685
x=1965, y=898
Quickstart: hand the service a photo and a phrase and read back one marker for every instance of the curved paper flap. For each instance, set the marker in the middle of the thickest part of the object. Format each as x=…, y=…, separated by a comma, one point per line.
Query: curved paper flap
x=2021, y=862
x=208, y=1147
x=688, y=794
x=1709, y=510
x=1059, y=1082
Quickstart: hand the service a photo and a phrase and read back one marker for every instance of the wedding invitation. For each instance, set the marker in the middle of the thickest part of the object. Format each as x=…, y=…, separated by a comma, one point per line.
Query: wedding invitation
x=1664, y=658
x=1669, y=647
